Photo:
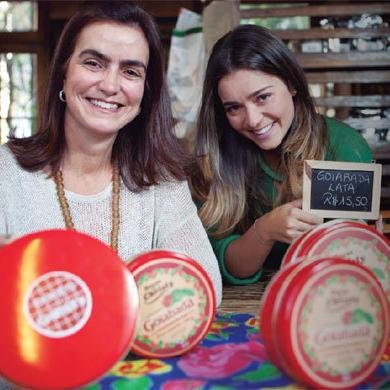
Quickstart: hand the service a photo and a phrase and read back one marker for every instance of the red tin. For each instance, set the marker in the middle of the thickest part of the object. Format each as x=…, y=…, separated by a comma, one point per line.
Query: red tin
x=177, y=303
x=267, y=317
x=329, y=322
x=290, y=256
x=64, y=294
x=294, y=251
x=355, y=241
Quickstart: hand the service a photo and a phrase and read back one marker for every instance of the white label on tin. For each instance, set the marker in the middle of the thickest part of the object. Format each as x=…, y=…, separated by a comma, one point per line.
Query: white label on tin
x=58, y=304
x=175, y=306
x=357, y=244
x=340, y=325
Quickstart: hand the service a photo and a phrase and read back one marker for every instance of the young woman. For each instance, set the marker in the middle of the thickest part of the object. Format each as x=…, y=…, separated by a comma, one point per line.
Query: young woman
x=104, y=160
x=257, y=124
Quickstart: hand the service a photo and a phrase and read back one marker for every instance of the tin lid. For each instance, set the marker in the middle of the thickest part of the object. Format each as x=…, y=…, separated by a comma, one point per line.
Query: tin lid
x=290, y=256
x=296, y=252
x=177, y=303
x=323, y=229
x=278, y=309
x=335, y=325
x=355, y=241
x=268, y=311
x=63, y=294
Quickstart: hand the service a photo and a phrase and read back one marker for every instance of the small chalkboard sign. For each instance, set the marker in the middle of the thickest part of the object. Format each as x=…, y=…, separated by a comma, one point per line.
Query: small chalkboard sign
x=333, y=189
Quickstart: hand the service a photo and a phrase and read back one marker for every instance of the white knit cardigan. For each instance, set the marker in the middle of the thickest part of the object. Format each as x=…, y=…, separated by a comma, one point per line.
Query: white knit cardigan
x=163, y=216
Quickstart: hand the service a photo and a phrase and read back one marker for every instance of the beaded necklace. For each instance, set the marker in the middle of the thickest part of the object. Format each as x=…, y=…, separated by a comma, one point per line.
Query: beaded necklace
x=59, y=182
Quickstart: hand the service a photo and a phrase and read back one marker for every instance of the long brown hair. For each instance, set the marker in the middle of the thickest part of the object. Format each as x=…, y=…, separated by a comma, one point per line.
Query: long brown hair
x=146, y=149
x=228, y=182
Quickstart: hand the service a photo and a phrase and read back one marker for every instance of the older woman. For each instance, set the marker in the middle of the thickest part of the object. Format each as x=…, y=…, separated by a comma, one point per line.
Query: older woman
x=104, y=160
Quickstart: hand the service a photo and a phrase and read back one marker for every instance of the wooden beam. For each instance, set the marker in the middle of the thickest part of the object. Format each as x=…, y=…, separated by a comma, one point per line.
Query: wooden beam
x=385, y=192
x=382, y=151
x=316, y=10
x=359, y=77
x=322, y=33
x=386, y=172
x=20, y=47
x=354, y=101
x=369, y=123
x=30, y=37
x=62, y=10
x=349, y=60
x=43, y=58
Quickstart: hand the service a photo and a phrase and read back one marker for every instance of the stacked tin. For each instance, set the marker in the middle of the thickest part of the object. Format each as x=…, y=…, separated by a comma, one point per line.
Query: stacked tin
x=352, y=240
x=325, y=316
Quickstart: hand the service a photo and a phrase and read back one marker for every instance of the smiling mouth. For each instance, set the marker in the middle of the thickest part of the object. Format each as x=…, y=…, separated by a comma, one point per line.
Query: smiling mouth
x=105, y=105
x=264, y=129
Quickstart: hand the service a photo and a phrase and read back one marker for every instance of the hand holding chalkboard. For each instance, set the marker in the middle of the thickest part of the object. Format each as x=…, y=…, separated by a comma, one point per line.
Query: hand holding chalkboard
x=341, y=189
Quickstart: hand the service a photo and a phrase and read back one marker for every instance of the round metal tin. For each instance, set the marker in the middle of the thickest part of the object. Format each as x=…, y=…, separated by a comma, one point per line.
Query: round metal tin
x=354, y=241
x=269, y=312
x=294, y=251
x=64, y=294
x=333, y=324
x=177, y=303
x=290, y=255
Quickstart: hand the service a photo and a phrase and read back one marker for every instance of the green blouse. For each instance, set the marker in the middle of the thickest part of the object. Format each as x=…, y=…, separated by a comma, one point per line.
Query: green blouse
x=344, y=144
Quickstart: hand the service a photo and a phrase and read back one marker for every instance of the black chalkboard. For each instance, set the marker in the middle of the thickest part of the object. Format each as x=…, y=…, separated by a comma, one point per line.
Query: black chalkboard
x=335, y=189
x=344, y=190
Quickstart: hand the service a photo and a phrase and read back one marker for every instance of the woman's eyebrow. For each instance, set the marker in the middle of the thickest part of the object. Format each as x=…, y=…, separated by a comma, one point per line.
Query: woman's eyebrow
x=105, y=58
x=261, y=90
x=229, y=103
x=250, y=96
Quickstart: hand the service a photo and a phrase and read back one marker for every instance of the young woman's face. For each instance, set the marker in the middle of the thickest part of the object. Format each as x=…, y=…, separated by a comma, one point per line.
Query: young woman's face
x=105, y=78
x=258, y=105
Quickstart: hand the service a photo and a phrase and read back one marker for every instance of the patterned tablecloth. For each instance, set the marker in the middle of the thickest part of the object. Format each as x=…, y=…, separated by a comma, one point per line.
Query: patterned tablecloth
x=232, y=356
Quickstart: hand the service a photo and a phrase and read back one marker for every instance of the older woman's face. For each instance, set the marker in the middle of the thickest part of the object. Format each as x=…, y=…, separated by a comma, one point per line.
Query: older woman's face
x=259, y=106
x=105, y=78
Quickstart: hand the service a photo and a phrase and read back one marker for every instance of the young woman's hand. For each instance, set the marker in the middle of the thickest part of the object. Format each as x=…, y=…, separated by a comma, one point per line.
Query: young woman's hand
x=286, y=222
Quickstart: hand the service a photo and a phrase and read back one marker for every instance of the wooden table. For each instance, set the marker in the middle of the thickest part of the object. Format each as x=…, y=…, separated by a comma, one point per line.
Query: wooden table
x=245, y=299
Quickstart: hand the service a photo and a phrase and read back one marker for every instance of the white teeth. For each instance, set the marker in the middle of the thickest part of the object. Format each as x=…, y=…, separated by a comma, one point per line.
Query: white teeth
x=108, y=106
x=264, y=129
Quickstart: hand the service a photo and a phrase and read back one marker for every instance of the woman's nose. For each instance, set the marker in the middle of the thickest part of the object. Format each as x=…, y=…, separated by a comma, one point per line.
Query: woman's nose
x=253, y=117
x=110, y=82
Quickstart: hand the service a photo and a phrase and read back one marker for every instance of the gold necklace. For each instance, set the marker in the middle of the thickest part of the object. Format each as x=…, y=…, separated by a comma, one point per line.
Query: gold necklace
x=59, y=181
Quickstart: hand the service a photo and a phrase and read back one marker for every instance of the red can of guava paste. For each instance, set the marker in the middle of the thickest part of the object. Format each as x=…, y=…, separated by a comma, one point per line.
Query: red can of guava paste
x=177, y=303
x=63, y=294
x=351, y=240
x=294, y=251
x=326, y=322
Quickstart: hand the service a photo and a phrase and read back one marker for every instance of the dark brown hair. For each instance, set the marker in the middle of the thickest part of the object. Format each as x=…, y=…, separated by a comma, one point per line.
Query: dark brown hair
x=146, y=149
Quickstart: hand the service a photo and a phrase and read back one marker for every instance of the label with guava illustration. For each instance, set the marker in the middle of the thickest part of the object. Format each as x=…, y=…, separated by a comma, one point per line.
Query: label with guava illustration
x=175, y=307
x=340, y=325
x=361, y=245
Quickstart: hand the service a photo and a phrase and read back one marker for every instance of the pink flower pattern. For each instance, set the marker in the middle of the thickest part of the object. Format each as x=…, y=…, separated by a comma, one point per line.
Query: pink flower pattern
x=221, y=360
x=183, y=384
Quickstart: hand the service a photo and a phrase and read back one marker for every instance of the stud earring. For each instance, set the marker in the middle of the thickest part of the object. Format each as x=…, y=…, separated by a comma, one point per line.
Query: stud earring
x=293, y=92
x=61, y=95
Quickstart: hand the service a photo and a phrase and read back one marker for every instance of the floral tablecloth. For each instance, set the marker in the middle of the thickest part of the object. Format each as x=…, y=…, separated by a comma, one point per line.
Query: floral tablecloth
x=231, y=356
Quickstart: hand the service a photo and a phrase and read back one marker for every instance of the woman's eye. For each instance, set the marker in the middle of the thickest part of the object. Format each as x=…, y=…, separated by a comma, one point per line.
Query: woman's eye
x=262, y=97
x=231, y=110
x=92, y=64
x=132, y=73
